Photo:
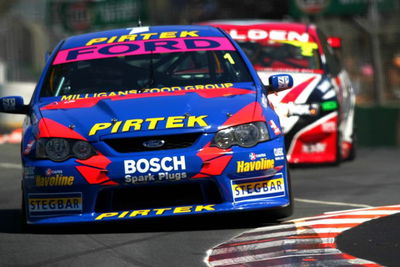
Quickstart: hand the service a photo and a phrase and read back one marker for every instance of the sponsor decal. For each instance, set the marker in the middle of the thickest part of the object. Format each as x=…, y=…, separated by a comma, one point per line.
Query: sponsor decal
x=274, y=127
x=314, y=148
x=155, y=169
x=42, y=204
x=130, y=48
x=329, y=127
x=254, y=156
x=302, y=109
x=57, y=180
x=258, y=188
x=255, y=165
x=143, y=36
x=329, y=105
x=278, y=153
x=150, y=124
x=276, y=35
x=50, y=172
x=9, y=104
x=156, y=212
x=283, y=81
x=111, y=92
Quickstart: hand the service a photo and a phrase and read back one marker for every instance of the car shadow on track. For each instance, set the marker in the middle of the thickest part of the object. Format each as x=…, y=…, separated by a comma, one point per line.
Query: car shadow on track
x=11, y=223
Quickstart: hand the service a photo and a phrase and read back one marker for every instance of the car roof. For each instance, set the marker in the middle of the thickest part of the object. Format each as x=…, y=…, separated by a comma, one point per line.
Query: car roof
x=153, y=32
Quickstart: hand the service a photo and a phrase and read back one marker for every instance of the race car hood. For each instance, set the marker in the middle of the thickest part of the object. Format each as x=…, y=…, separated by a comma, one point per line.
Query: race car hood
x=147, y=113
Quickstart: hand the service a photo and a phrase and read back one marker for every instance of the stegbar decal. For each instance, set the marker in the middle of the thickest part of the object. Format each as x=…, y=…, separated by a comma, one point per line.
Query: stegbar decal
x=142, y=47
x=159, y=211
x=245, y=189
x=43, y=204
x=150, y=124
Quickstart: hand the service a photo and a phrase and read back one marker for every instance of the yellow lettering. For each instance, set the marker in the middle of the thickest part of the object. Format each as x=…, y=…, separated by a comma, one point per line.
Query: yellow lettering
x=106, y=215
x=116, y=127
x=141, y=212
x=123, y=214
x=204, y=207
x=161, y=211
x=199, y=120
x=129, y=37
x=70, y=180
x=99, y=126
x=67, y=97
x=123, y=92
x=227, y=85
x=240, y=166
x=168, y=35
x=153, y=122
x=96, y=40
x=136, y=123
x=183, y=209
x=175, y=122
x=189, y=33
x=147, y=36
x=112, y=39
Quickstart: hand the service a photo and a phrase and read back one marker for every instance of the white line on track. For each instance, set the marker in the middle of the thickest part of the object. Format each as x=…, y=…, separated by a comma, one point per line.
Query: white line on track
x=332, y=203
x=7, y=165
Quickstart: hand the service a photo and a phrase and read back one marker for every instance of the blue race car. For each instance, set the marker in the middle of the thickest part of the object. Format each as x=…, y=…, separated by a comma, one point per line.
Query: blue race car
x=150, y=122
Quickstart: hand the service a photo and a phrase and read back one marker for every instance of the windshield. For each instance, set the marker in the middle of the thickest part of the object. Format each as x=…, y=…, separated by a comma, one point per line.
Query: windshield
x=137, y=73
x=282, y=54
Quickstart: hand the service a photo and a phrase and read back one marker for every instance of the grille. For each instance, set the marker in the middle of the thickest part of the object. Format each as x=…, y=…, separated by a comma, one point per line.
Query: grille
x=128, y=145
x=157, y=196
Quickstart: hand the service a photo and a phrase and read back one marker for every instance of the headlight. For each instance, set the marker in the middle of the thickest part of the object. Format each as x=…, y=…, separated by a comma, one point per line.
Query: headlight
x=60, y=149
x=245, y=135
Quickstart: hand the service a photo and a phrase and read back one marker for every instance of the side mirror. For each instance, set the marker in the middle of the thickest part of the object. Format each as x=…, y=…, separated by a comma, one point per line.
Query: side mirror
x=279, y=82
x=13, y=104
x=335, y=42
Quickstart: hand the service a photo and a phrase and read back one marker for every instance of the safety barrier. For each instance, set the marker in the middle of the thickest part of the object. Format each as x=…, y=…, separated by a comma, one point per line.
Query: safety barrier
x=377, y=126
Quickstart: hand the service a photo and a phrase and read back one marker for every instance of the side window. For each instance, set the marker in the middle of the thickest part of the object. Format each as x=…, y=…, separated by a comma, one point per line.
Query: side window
x=331, y=57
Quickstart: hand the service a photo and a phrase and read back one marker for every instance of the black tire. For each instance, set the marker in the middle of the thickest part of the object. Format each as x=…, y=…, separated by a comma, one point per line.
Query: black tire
x=352, y=154
x=338, y=158
x=22, y=219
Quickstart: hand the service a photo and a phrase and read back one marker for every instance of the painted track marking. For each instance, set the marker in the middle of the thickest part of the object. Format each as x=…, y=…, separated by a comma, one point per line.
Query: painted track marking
x=332, y=203
x=7, y=165
x=304, y=241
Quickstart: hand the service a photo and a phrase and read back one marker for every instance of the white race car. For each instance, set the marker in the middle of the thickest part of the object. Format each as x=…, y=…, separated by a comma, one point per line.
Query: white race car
x=317, y=114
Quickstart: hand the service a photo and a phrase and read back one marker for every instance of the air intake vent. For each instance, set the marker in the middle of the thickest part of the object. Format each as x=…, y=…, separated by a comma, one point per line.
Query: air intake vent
x=152, y=143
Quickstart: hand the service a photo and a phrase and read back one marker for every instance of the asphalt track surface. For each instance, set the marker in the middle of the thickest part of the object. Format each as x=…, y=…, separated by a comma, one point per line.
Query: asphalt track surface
x=373, y=179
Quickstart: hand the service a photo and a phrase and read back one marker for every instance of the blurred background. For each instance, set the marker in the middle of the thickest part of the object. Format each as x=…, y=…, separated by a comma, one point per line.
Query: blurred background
x=370, y=32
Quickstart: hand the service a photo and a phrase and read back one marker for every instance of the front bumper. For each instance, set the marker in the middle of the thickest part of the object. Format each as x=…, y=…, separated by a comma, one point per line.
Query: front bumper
x=196, y=180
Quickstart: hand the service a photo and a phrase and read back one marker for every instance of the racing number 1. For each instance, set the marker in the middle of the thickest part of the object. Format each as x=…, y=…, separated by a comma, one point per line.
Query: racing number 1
x=229, y=58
